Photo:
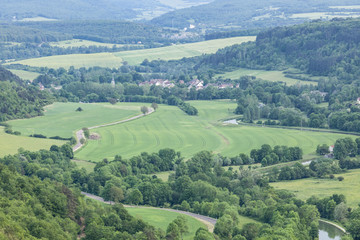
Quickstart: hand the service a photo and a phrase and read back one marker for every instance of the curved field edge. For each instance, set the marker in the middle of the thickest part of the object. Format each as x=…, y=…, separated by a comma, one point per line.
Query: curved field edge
x=161, y=219
x=9, y=144
x=62, y=119
x=169, y=127
x=134, y=57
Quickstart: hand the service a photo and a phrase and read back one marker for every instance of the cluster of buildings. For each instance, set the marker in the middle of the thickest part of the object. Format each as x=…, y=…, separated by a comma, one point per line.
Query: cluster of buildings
x=196, y=83
x=158, y=82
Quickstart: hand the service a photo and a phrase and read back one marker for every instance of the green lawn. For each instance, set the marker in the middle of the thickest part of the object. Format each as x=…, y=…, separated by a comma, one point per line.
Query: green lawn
x=274, y=76
x=25, y=75
x=305, y=188
x=61, y=119
x=133, y=57
x=9, y=144
x=169, y=127
x=161, y=219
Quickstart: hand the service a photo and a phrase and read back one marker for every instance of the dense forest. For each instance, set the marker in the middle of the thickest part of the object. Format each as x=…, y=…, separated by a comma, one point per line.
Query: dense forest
x=18, y=100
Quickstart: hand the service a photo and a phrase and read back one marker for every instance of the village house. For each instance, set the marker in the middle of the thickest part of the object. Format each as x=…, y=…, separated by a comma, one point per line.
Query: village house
x=158, y=82
x=197, y=84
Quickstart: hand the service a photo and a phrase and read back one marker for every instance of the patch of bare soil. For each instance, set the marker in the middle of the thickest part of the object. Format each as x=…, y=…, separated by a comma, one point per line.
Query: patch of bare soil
x=94, y=136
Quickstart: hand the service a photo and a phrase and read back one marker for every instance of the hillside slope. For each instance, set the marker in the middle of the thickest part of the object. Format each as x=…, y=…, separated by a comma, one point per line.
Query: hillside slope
x=245, y=14
x=18, y=100
x=91, y=9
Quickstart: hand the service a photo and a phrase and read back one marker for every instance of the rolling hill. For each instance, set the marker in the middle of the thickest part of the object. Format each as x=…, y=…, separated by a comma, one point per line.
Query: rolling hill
x=245, y=14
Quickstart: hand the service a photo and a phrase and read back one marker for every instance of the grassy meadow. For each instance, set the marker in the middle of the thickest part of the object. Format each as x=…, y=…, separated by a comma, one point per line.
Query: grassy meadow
x=25, y=75
x=89, y=166
x=62, y=120
x=273, y=76
x=304, y=188
x=9, y=144
x=133, y=57
x=169, y=127
x=162, y=218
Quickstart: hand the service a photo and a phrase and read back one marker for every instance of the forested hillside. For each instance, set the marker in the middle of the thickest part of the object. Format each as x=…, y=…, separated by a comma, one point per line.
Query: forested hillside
x=23, y=40
x=18, y=100
x=82, y=9
x=319, y=48
x=246, y=14
x=34, y=209
x=102, y=31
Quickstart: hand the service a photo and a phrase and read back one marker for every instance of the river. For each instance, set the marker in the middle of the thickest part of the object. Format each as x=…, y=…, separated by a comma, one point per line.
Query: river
x=329, y=232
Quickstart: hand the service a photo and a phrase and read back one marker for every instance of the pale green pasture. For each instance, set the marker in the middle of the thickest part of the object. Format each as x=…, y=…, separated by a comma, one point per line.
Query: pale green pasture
x=82, y=43
x=9, y=144
x=274, y=76
x=25, y=75
x=326, y=15
x=169, y=127
x=161, y=219
x=305, y=188
x=61, y=119
x=76, y=60
x=135, y=56
x=180, y=51
x=89, y=166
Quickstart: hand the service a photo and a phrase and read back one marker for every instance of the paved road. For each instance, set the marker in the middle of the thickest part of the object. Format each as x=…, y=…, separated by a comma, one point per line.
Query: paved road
x=334, y=224
x=208, y=221
x=80, y=134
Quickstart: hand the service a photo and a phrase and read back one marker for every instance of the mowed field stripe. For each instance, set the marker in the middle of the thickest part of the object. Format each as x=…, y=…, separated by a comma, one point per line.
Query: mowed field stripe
x=169, y=127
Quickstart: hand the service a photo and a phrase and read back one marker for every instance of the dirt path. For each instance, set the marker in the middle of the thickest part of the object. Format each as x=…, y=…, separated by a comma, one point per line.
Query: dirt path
x=208, y=221
x=80, y=134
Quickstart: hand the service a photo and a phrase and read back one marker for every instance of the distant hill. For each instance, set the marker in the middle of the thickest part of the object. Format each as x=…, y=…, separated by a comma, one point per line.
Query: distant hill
x=89, y=9
x=325, y=48
x=250, y=14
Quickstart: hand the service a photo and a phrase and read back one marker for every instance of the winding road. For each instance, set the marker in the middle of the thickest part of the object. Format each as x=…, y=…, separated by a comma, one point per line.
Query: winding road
x=208, y=221
x=80, y=134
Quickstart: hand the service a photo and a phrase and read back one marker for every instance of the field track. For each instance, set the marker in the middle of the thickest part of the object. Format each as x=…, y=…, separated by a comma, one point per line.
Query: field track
x=80, y=134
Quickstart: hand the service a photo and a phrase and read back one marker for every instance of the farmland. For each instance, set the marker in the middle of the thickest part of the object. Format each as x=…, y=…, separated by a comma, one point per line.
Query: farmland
x=273, y=76
x=9, y=144
x=134, y=57
x=82, y=43
x=25, y=75
x=62, y=120
x=169, y=127
x=325, y=187
x=161, y=219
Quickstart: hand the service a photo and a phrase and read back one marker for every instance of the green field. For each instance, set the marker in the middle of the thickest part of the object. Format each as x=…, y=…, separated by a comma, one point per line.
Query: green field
x=25, y=75
x=169, y=127
x=82, y=43
x=89, y=167
x=305, y=188
x=135, y=56
x=61, y=119
x=9, y=144
x=161, y=219
x=274, y=76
